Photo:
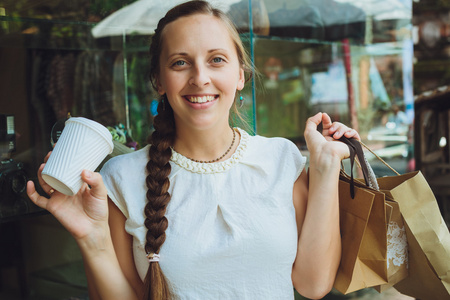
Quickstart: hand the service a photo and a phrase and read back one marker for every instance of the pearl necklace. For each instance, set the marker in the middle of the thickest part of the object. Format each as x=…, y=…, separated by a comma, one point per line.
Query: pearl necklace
x=219, y=158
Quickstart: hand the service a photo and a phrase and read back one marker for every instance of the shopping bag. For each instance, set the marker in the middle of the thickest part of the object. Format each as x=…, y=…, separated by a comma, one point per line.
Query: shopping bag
x=397, y=247
x=427, y=234
x=428, y=237
x=363, y=260
x=363, y=234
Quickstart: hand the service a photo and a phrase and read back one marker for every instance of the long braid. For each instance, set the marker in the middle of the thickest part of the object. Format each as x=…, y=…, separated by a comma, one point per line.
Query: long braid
x=158, y=169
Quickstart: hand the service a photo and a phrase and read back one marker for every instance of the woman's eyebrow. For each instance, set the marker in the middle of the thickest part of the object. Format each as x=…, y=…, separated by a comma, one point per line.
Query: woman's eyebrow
x=216, y=49
x=177, y=53
x=186, y=54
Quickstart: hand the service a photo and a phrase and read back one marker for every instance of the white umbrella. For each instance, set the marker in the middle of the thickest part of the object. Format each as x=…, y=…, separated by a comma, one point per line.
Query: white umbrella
x=141, y=17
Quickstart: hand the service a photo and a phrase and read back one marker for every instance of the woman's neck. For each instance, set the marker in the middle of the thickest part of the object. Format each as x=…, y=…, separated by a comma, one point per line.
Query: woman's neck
x=206, y=144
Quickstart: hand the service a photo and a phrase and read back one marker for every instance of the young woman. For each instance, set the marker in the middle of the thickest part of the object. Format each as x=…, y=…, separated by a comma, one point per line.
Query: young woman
x=207, y=211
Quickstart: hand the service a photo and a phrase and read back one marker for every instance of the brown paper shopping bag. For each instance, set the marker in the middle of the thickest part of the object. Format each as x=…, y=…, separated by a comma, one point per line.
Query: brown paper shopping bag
x=397, y=247
x=363, y=234
x=427, y=234
x=360, y=266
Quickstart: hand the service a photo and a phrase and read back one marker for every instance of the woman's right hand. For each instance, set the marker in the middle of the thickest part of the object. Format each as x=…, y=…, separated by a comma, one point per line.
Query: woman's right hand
x=85, y=214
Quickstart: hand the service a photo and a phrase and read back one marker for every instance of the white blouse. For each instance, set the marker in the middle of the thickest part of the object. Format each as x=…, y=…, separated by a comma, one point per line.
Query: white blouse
x=232, y=231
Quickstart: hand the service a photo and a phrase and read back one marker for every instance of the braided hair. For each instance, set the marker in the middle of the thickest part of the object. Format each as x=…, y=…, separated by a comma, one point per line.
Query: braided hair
x=157, y=181
x=158, y=167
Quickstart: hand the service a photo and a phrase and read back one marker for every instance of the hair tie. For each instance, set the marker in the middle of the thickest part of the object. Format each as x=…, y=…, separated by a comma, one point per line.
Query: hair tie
x=153, y=257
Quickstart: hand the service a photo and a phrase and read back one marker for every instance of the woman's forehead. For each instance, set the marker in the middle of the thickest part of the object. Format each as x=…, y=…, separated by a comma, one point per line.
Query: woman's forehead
x=194, y=29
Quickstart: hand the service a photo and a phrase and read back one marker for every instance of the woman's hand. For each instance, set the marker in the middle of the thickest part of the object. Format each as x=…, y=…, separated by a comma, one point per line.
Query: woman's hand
x=327, y=141
x=83, y=214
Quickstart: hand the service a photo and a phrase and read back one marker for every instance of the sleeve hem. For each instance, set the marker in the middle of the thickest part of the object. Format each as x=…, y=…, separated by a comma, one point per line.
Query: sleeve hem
x=121, y=207
x=300, y=167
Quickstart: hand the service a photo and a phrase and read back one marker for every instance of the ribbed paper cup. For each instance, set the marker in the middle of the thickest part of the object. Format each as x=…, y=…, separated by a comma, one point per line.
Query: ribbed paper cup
x=83, y=145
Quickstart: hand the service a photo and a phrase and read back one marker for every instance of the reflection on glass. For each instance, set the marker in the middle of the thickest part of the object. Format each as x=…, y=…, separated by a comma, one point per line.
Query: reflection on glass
x=352, y=59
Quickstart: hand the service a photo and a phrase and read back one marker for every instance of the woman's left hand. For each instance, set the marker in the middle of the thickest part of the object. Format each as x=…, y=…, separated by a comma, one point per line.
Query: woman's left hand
x=328, y=140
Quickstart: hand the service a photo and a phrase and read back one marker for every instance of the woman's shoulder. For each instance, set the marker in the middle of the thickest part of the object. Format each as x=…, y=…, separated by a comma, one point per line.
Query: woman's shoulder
x=126, y=161
x=273, y=144
x=276, y=155
x=275, y=139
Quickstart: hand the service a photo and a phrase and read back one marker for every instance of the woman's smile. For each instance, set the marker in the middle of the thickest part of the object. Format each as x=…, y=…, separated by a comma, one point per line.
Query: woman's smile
x=200, y=102
x=201, y=98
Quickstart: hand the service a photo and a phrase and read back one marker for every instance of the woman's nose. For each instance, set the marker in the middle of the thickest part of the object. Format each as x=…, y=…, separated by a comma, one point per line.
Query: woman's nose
x=199, y=76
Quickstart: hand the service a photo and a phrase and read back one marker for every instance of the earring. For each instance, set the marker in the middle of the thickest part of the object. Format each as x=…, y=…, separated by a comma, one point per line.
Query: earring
x=241, y=100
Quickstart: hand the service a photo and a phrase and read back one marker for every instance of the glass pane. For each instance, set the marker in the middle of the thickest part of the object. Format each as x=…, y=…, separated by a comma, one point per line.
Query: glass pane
x=51, y=65
x=356, y=66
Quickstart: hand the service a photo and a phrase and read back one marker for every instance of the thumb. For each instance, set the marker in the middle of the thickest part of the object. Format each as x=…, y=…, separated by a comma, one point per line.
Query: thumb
x=95, y=181
x=313, y=122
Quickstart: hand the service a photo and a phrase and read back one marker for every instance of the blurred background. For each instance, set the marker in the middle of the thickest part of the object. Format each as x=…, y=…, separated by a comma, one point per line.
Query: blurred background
x=380, y=66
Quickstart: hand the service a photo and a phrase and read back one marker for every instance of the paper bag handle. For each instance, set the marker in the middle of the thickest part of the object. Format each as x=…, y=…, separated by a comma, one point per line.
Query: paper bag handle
x=356, y=150
x=379, y=158
x=369, y=176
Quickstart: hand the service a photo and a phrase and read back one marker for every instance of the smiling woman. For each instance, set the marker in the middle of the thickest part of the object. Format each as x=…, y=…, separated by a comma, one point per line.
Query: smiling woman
x=224, y=216
x=199, y=73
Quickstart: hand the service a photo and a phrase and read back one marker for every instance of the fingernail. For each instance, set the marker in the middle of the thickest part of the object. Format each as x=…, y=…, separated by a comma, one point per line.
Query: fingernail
x=87, y=173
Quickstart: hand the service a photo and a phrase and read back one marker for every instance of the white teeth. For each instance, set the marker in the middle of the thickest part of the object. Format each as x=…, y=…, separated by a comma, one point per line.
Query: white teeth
x=201, y=99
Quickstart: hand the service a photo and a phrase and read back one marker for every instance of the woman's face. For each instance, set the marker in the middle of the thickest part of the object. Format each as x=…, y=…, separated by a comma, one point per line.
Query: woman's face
x=199, y=71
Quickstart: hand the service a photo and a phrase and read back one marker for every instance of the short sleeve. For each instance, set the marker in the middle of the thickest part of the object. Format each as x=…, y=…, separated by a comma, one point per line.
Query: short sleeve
x=298, y=159
x=112, y=181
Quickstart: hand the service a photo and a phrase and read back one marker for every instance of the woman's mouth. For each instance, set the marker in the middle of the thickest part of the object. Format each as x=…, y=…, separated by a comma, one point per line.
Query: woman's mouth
x=200, y=99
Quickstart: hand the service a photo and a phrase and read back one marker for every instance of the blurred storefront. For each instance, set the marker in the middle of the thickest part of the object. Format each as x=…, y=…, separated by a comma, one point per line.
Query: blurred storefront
x=351, y=58
x=431, y=36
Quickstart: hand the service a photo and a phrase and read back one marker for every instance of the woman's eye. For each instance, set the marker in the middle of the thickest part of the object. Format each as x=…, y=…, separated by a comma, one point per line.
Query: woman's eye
x=179, y=63
x=217, y=60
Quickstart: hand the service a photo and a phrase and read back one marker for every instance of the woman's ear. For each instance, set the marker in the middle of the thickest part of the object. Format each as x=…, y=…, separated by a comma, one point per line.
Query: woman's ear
x=241, y=80
x=160, y=88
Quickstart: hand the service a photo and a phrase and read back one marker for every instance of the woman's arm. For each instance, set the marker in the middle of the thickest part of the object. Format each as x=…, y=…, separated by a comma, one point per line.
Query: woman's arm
x=106, y=277
x=317, y=209
x=319, y=245
x=123, y=246
x=92, y=291
x=85, y=216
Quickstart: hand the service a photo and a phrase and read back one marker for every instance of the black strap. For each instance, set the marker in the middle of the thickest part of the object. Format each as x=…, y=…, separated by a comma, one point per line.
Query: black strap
x=356, y=149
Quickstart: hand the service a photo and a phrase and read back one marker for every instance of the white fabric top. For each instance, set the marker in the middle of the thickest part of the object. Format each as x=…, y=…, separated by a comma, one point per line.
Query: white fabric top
x=232, y=232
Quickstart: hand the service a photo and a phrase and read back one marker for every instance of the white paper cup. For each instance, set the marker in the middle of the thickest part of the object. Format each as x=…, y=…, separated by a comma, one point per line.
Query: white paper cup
x=83, y=145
